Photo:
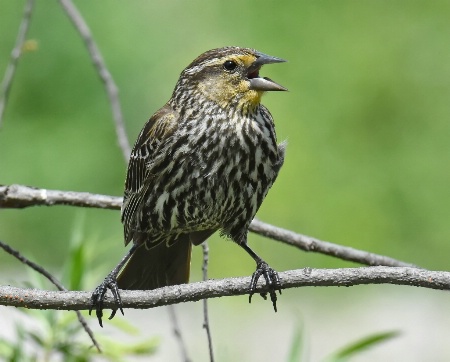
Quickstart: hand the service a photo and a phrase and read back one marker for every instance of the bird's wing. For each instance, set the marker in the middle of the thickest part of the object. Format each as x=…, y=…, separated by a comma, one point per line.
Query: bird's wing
x=158, y=128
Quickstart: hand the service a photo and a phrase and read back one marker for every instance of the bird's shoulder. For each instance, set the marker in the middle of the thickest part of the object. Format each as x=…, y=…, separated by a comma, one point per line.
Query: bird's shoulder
x=160, y=126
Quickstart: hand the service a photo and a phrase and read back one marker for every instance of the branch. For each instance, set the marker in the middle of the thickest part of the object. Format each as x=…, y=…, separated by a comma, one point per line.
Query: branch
x=108, y=81
x=310, y=244
x=205, y=301
x=138, y=299
x=18, y=196
x=177, y=333
x=15, y=55
x=55, y=282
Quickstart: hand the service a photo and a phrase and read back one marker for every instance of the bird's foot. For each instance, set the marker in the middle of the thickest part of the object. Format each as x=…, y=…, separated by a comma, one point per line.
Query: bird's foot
x=98, y=297
x=272, y=281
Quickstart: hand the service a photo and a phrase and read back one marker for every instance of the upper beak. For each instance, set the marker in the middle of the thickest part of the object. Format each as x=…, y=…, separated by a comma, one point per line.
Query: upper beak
x=263, y=84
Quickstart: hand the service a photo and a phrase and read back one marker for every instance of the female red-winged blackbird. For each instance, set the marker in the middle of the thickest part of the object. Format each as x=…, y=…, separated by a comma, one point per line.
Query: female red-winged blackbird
x=203, y=162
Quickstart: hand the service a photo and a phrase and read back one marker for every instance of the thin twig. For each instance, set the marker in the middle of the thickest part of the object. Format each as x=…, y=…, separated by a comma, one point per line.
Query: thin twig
x=310, y=244
x=15, y=55
x=143, y=299
x=205, y=249
x=19, y=196
x=105, y=75
x=177, y=333
x=54, y=281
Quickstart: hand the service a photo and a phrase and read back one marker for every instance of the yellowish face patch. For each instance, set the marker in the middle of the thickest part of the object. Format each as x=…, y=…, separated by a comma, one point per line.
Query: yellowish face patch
x=225, y=87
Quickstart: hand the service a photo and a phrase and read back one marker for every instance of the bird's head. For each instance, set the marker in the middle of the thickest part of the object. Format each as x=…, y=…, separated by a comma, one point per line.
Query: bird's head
x=229, y=77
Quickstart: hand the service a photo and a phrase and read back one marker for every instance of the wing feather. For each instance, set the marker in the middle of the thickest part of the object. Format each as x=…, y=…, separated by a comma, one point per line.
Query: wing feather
x=160, y=126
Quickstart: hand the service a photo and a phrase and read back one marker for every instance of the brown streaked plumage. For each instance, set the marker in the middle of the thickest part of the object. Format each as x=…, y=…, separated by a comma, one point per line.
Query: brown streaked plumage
x=203, y=162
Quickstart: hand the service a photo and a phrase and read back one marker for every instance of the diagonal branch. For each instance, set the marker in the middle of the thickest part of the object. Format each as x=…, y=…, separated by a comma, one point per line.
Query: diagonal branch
x=108, y=81
x=19, y=196
x=15, y=55
x=138, y=299
x=310, y=244
x=54, y=281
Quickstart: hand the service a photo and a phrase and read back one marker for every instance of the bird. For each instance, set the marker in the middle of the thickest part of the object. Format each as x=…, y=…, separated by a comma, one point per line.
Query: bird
x=202, y=163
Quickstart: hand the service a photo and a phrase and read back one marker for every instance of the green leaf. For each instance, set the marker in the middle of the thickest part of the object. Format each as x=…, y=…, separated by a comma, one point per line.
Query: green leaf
x=77, y=256
x=362, y=344
x=5, y=348
x=125, y=326
x=297, y=344
x=36, y=338
x=77, y=267
x=115, y=350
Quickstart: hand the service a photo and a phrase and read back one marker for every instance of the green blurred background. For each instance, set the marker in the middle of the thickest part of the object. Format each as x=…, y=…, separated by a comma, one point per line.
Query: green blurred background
x=367, y=121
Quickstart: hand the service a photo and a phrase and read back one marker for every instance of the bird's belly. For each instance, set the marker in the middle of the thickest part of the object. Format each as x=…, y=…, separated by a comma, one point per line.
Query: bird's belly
x=210, y=196
x=217, y=195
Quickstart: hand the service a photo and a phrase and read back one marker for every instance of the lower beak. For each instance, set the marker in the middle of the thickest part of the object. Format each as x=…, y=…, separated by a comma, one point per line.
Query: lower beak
x=263, y=84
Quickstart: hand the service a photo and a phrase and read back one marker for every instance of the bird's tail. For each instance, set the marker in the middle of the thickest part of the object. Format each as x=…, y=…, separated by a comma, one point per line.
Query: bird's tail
x=157, y=267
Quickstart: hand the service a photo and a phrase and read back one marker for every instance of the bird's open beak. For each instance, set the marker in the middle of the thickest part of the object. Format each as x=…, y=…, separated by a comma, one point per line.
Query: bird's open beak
x=263, y=84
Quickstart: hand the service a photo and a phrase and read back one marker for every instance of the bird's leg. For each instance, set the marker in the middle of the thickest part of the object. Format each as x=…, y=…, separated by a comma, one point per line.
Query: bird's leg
x=271, y=276
x=110, y=282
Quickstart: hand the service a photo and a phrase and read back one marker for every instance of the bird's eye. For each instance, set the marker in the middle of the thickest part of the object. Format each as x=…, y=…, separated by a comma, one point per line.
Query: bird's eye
x=230, y=65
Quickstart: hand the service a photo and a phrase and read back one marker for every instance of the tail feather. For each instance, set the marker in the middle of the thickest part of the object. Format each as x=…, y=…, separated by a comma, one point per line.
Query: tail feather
x=157, y=267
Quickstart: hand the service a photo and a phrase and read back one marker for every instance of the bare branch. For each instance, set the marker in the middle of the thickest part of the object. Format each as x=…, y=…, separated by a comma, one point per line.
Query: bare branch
x=310, y=244
x=105, y=75
x=205, y=301
x=138, y=299
x=54, y=281
x=15, y=55
x=177, y=333
x=18, y=196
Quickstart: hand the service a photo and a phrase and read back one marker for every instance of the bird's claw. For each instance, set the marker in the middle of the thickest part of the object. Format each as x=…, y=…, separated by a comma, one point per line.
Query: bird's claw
x=272, y=282
x=98, y=297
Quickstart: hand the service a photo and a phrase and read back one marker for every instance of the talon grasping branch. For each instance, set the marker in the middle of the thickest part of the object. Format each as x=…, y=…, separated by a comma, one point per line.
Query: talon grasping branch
x=204, y=162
